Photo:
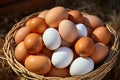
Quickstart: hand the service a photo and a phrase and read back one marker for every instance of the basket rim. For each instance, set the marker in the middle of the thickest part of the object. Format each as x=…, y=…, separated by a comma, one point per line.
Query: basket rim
x=10, y=59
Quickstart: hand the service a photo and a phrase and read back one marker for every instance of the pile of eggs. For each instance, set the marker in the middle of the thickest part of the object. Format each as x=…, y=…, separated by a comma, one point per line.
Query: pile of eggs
x=60, y=43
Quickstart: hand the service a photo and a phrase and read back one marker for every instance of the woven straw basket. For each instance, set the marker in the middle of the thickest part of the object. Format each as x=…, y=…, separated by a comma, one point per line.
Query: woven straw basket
x=20, y=70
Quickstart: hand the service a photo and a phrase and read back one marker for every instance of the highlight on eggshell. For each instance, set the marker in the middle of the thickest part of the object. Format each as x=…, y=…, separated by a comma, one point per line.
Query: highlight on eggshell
x=43, y=14
x=51, y=38
x=68, y=31
x=101, y=34
x=21, y=53
x=33, y=43
x=82, y=30
x=84, y=46
x=62, y=57
x=92, y=21
x=100, y=53
x=37, y=25
x=81, y=66
x=55, y=16
x=75, y=16
x=39, y=64
x=21, y=34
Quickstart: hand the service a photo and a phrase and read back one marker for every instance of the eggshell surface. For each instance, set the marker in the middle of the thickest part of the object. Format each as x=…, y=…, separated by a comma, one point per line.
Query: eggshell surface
x=33, y=43
x=100, y=53
x=58, y=72
x=84, y=46
x=101, y=34
x=43, y=13
x=55, y=15
x=20, y=52
x=92, y=21
x=75, y=16
x=82, y=30
x=51, y=39
x=81, y=66
x=68, y=31
x=37, y=25
x=39, y=64
x=62, y=57
x=47, y=51
x=21, y=34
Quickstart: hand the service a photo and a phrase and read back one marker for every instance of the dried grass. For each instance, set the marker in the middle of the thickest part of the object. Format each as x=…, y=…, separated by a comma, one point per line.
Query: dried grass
x=6, y=72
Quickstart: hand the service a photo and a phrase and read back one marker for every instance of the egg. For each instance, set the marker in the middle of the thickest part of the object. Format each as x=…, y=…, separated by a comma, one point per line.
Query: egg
x=100, y=53
x=33, y=43
x=42, y=14
x=81, y=66
x=75, y=16
x=58, y=72
x=89, y=31
x=21, y=53
x=68, y=31
x=92, y=21
x=75, y=54
x=62, y=57
x=39, y=64
x=55, y=16
x=37, y=25
x=64, y=43
x=82, y=30
x=21, y=34
x=47, y=51
x=84, y=46
x=101, y=34
x=51, y=38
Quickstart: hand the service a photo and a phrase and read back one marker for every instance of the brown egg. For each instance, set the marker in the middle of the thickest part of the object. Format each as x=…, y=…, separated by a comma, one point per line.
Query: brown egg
x=43, y=13
x=68, y=31
x=75, y=54
x=21, y=34
x=47, y=52
x=90, y=30
x=37, y=25
x=84, y=46
x=75, y=16
x=101, y=34
x=20, y=52
x=58, y=72
x=55, y=16
x=100, y=53
x=64, y=43
x=33, y=43
x=1, y=54
x=92, y=21
x=39, y=64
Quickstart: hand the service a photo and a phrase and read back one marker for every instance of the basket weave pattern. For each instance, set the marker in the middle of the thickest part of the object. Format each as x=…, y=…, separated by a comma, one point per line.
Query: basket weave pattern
x=19, y=69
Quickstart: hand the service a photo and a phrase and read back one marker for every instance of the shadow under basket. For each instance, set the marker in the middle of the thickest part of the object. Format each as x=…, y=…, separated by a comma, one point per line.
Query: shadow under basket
x=97, y=74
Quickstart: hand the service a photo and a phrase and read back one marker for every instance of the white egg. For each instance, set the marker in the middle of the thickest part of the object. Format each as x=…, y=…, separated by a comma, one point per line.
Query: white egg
x=81, y=66
x=82, y=30
x=62, y=57
x=51, y=38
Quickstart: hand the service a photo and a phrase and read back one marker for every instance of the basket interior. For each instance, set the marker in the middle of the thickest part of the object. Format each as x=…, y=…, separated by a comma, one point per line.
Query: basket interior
x=20, y=70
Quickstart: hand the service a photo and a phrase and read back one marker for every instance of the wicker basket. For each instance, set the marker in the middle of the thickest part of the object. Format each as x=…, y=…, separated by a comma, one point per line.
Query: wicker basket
x=20, y=70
